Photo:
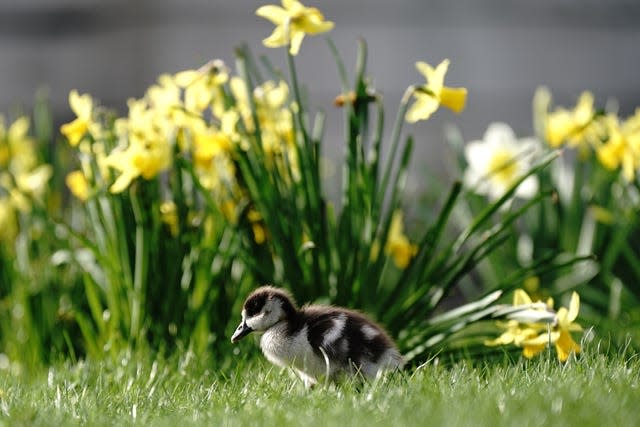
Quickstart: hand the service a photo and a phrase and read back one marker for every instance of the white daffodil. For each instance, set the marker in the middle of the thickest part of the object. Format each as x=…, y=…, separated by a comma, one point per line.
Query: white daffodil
x=498, y=161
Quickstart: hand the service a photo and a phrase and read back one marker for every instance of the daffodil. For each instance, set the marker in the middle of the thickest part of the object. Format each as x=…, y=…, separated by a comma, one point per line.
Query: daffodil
x=21, y=174
x=139, y=160
x=534, y=326
x=293, y=21
x=520, y=336
x=203, y=87
x=275, y=120
x=565, y=344
x=498, y=161
x=398, y=245
x=434, y=93
x=145, y=148
x=82, y=105
x=34, y=182
x=17, y=151
x=575, y=127
x=622, y=148
x=164, y=96
x=77, y=183
x=212, y=156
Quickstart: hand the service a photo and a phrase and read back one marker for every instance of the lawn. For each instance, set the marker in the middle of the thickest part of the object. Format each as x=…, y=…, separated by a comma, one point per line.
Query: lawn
x=592, y=390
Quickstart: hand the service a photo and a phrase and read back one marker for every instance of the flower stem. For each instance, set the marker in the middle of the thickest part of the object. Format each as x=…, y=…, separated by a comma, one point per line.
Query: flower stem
x=395, y=140
x=140, y=272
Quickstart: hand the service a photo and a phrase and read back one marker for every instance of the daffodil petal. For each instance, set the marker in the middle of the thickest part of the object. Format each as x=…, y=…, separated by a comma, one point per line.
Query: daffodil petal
x=276, y=39
x=187, y=77
x=275, y=14
x=542, y=338
x=528, y=188
x=504, y=339
x=74, y=131
x=81, y=104
x=530, y=351
x=78, y=185
x=423, y=107
x=122, y=182
x=565, y=345
x=520, y=297
x=424, y=69
x=296, y=42
x=18, y=129
x=574, y=307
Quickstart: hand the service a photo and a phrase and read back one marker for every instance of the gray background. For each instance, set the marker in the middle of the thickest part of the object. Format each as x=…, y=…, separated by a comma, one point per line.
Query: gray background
x=500, y=50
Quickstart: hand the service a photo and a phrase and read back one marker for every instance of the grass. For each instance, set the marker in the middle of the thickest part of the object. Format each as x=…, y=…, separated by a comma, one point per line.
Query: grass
x=589, y=391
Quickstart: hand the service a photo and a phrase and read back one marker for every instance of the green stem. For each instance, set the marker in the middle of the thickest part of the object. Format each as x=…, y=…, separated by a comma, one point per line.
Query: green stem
x=140, y=269
x=296, y=95
x=395, y=140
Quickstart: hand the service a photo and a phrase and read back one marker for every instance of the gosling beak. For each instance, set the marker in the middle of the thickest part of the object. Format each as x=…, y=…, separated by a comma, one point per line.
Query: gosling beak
x=241, y=331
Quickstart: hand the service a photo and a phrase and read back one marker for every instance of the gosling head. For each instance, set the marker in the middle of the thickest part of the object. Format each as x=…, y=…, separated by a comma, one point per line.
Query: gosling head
x=264, y=308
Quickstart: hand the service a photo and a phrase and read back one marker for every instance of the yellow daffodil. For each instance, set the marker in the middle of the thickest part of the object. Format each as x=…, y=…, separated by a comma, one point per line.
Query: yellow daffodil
x=17, y=151
x=520, y=336
x=534, y=326
x=203, y=87
x=525, y=335
x=139, y=160
x=398, y=245
x=21, y=175
x=274, y=119
x=82, y=105
x=430, y=96
x=293, y=21
x=212, y=156
x=622, y=148
x=209, y=143
x=498, y=161
x=145, y=143
x=164, y=96
x=78, y=185
x=34, y=182
x=559, y=335
x=575, y=127
x=565, y=344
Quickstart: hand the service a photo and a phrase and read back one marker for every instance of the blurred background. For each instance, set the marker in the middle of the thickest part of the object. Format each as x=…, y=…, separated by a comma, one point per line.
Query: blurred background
x=500, y=50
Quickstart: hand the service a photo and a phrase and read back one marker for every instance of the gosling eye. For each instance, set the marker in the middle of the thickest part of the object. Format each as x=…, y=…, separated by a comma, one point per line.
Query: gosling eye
x=267, y=312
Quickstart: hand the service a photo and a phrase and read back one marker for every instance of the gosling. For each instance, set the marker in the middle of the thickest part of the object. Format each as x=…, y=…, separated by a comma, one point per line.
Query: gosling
x=316, y=340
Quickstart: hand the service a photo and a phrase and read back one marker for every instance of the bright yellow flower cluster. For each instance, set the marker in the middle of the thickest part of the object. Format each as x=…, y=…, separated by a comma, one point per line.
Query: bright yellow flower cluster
x=208, y=117
x=534, y=326
x=202, y=115
x=23, y=178
x=616, y=142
